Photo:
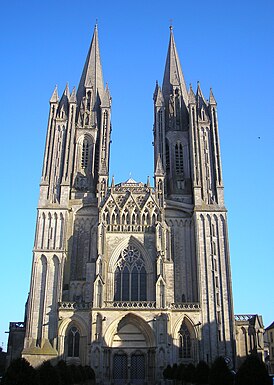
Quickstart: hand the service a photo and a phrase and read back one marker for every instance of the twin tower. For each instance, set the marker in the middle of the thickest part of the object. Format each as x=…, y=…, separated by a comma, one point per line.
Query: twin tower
x=128, y=278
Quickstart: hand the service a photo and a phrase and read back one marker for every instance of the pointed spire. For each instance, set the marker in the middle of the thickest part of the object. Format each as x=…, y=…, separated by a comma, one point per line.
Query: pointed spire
x=73, y=96
x=92, y=76
x=191, y=95
x=63, y=105
x=173, y=75
x=159, y=169
x=112, y=182
x=106, y=99
x=158, y=96
x=54, y=97
x=212, y=99
x=199, y=96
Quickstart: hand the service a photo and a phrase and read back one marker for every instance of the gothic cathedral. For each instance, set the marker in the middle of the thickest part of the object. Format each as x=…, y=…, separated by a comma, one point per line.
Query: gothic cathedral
x=128, y=278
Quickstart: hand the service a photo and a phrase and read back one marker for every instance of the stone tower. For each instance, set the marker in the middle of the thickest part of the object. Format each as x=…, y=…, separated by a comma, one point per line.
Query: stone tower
x=129, y=277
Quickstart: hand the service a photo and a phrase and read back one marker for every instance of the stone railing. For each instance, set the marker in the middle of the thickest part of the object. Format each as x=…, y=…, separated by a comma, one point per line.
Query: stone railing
x=74, y=305
x=184, y=306
x=130, y=228
x=131, y=304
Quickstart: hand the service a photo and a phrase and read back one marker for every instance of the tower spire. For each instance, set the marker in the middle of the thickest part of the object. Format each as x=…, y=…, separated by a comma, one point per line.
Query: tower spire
x=173, y=76
x=92, y=76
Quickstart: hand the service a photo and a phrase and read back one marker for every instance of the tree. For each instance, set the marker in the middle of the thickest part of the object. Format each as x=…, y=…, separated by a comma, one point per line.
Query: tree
x=64, y=373
x=20, y=372
x=189, y=373
x=48, y=374
x=219, y=373
x=252, y=372
x=201, y=373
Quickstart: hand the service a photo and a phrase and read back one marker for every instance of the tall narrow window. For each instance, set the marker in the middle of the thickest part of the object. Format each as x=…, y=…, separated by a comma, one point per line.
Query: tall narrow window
x=167, y=157
x=130, y=276
x=88, y=100
x=85, y=153
x=73, y=342
x=185, y=342
x=179, y=158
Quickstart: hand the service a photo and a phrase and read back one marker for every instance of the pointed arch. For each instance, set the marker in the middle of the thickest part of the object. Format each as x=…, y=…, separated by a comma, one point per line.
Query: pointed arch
x=130, y=319
x=130, y=272
x=42, y=282
x=184, y=341
x=43, y=225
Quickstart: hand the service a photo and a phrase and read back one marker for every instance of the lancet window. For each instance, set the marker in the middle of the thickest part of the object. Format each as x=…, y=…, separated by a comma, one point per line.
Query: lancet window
x=130, y=276
x=85, y=153
x=73, y=342
x=167, y=157
x=185, y=342
x=179, y=163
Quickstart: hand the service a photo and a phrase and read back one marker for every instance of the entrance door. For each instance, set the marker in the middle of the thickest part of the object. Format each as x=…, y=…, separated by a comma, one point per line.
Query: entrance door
x=137, y=369
x=120, y=369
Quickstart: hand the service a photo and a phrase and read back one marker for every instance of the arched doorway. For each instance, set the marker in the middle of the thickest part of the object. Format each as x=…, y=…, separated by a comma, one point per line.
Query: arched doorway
x=132, y=352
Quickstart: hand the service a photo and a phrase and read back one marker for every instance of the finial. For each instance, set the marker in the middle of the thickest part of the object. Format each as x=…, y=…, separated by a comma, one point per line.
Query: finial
x=96, y=24
x=171, y=26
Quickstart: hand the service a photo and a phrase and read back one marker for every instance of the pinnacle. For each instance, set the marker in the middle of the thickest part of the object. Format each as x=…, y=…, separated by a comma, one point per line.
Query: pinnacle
x=54, y=97
x=73, y=96
x=158, y=96
x=159, y=169
x=212, y=99
x=106, y=98
x=199, y=96
x=191, y=95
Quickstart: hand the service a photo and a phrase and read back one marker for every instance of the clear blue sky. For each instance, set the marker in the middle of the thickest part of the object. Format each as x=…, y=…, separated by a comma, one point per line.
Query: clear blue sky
x=225, y=45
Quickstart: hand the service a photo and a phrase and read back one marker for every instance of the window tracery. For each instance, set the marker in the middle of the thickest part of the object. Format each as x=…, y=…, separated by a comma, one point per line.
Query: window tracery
x=130, y=276
x=185, y=342
x=73, y=342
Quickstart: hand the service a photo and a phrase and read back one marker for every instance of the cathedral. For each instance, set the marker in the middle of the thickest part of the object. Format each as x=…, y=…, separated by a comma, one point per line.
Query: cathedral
x=130, y=277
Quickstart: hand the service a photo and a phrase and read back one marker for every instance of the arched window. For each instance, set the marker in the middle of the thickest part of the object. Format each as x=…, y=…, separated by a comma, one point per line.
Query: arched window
x=85, y=153
x=185, y=342
x=179, y=162
x=73, y=342
x=130, y=276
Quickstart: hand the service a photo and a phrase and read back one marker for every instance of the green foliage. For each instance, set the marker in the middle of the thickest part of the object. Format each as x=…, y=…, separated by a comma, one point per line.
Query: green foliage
x=64, y=372
x=252, y=372
x=48, y=375
x=20, y=372
x=220, y=373
x=201, y=373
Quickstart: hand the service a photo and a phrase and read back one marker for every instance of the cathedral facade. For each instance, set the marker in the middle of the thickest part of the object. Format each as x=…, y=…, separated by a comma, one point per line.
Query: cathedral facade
x=130, y=277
